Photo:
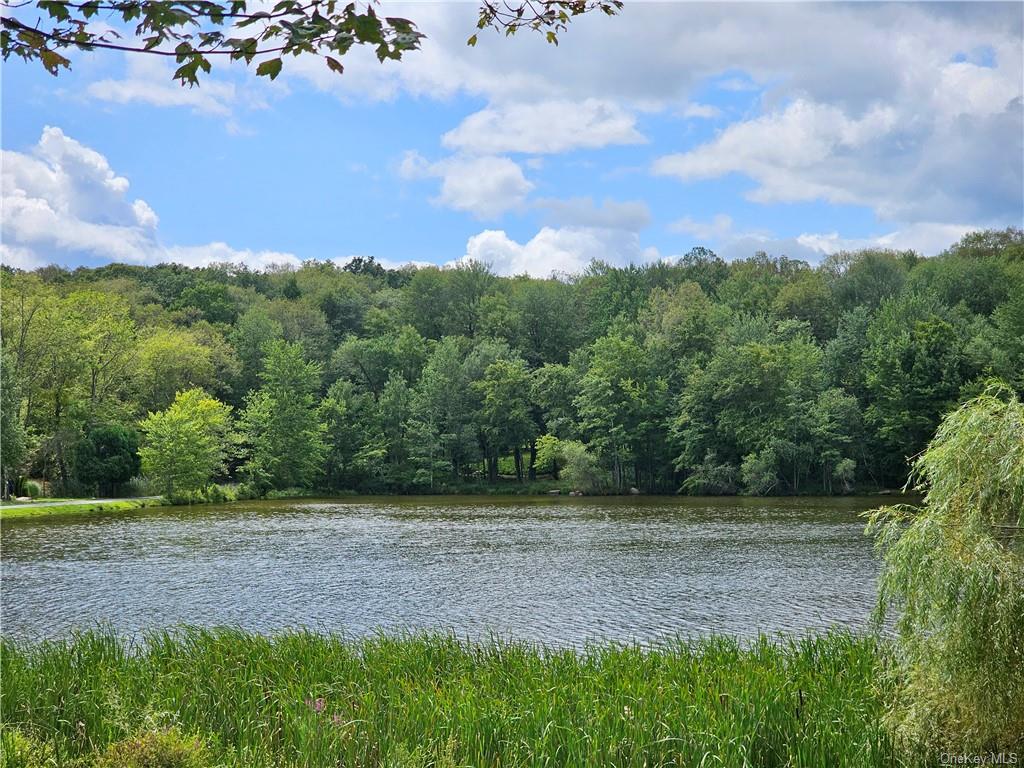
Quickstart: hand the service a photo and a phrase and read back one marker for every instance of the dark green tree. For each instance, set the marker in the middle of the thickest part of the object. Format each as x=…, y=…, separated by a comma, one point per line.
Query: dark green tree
x=281, y=424
x=107, y=457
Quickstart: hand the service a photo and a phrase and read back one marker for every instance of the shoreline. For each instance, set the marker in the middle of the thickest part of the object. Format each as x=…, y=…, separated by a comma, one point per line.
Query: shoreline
x=115, y=505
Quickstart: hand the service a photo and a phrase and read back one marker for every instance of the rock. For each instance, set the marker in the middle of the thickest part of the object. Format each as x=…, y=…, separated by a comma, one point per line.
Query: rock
x=634, y=491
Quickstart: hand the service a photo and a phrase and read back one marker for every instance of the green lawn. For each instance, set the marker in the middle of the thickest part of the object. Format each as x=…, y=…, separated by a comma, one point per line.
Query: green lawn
x=16, y=511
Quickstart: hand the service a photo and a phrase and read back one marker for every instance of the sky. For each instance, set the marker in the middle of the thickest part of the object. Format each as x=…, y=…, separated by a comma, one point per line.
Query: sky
x=796, y=129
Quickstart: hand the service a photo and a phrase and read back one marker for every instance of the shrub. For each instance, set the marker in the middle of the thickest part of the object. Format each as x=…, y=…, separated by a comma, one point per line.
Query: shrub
x=140, y=486
x=32, y=489
x=18, y=750
x=581, y=470
x=166, y=748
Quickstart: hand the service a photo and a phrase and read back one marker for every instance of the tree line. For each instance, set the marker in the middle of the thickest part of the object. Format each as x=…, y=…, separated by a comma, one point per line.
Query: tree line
x=764, y=376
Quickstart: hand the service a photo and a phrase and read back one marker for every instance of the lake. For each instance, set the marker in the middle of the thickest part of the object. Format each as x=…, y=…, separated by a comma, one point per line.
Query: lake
x=557, y=570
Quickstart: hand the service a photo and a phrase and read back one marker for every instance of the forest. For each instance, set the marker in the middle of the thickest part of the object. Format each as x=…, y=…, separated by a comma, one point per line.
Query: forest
x=761, y=376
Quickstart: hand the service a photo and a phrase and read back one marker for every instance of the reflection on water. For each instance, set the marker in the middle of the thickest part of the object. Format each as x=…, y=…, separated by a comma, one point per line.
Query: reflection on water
x=560, y=571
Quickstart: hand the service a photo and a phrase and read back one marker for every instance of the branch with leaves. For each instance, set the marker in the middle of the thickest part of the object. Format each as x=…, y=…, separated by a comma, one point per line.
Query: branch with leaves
x=193, y=32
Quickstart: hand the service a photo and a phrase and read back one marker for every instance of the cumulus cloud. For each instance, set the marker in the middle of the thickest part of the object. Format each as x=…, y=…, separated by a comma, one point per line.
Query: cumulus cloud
x=718, y=227
x=565, y=250
x=64, y=198
x=864, y=104
x=703, y=111
x=544, y=127
x=484, y=186
x=779, y=149
x=148, y=81
x=632, y=215
x=927, y=239
x=880, y=159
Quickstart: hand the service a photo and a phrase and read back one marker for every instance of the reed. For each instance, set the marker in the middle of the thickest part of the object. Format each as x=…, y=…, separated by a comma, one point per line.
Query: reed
x=308, y=699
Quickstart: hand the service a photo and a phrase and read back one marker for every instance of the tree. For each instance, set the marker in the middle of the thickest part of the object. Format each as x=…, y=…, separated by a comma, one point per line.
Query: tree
x=107, y=457
x=915, y=365
x=185, y=445
x=281, y=424
x=213, y=301
x=581, y=470
x=250, y=336
x=442, y=405
x=171, y=360
x=953, y=572
x=190, y=32
x=756, y=412
x=623, y=406
x=12, y=427
x=504, y=416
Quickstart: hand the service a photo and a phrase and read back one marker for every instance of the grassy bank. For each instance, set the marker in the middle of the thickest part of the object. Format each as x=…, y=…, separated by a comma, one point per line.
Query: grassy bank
x=117, y=505
x=225, y=697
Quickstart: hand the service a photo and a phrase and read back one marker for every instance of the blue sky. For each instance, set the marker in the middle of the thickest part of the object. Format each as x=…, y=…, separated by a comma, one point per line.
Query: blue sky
x=797, y=129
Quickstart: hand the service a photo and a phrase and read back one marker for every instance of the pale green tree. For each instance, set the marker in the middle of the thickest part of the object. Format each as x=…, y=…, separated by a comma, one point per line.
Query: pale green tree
x=186, y=444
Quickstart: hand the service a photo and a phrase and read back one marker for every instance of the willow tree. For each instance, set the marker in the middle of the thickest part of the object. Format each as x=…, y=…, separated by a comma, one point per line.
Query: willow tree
x=954, y=574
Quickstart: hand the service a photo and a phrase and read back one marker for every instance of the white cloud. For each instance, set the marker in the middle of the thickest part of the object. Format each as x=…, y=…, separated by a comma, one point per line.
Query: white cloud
x=927, y=239
x=881, y=158
x=64, y=198
x=772, y=148
x=718, y=227
x=544, y=127
x=484, y=186
x=566, y=250
x=632, y=215
x=148, y=81
x=863, y=103
x=702, y=111
x=19, y=258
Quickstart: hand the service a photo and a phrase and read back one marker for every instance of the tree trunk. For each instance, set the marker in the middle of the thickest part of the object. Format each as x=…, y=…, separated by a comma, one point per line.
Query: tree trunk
x=492, y=469
x=518, y=453
x=533, y=461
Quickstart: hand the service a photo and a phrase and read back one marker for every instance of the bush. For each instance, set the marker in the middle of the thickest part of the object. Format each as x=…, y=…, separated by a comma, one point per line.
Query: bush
x=140, y=486
x=581, y=470
x=211, y=494
x=166, y=748
x=32, y=489
x=18, y=750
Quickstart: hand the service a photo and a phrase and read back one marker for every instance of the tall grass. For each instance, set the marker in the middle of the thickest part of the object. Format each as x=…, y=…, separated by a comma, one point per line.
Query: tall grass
x=307, y=699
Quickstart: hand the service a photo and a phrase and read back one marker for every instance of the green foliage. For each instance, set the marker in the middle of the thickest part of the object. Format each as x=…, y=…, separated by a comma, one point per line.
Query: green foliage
x=167, y=748
x=915, y=365
x=954, y=574
x=213, y=301
x=549, y=454
x=107, y=457
x=764, y=375
x=19, y=750
x=580, y=469
x=32, y=489
x=192, y=33
x=281, y=423
x=762, y=413
x=804, y=703
x=13, y=440
x=186, y=444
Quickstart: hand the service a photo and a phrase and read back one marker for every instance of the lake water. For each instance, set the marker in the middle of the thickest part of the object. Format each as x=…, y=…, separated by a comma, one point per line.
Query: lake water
x=561, y=571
